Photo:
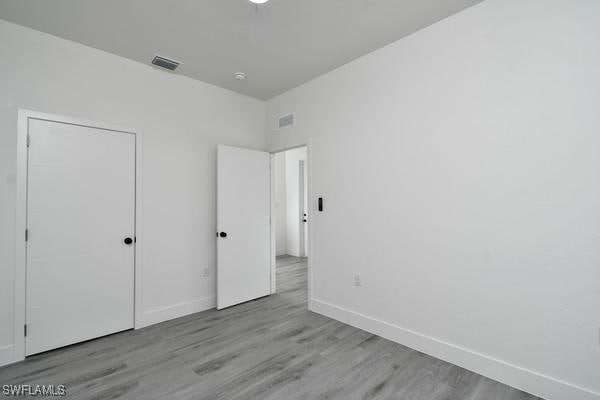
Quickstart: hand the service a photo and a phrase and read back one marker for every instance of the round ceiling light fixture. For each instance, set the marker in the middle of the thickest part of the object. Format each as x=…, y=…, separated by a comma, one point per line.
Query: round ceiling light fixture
x=258, y=1
x=240, y=76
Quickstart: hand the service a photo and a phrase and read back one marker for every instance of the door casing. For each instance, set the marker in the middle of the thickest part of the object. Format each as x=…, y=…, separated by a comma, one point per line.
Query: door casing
x=21, y=219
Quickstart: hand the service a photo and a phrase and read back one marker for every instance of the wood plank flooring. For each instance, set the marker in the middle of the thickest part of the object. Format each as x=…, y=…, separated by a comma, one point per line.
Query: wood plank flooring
x=271, y=348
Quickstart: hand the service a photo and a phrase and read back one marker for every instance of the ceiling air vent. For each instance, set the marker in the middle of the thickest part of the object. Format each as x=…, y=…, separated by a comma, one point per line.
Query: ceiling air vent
x=286, y=121
x=171, y=65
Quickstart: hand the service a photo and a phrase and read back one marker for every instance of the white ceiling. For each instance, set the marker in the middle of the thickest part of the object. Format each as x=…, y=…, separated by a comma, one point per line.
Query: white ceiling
x=279, y=45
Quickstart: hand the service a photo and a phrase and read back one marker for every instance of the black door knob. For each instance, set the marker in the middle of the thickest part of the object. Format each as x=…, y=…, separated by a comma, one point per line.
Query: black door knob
x=223, y=234
x=128, y=240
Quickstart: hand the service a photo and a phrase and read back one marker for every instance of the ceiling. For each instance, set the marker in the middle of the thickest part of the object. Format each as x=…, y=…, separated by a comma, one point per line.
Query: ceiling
x=279, y=45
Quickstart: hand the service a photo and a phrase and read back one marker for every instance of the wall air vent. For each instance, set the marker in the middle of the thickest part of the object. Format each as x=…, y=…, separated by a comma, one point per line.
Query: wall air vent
x=163, y=62
x=285, y=121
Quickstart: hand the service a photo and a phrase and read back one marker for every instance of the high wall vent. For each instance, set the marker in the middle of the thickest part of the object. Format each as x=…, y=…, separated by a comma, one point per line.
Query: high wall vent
x=163, y=62
x=285, y=121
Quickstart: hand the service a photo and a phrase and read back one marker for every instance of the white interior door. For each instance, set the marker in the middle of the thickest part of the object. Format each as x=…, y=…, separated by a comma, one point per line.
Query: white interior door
x=305, y=206
x=80, y=208
x=243, y=213
x=301, y=209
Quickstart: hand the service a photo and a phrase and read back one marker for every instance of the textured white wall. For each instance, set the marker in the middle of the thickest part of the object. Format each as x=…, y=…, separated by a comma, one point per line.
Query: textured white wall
x=460, y=168
x=182, y=121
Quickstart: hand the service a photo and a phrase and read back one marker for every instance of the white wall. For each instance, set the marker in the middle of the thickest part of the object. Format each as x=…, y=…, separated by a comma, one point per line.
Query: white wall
x=182, y=121
x=292, y=159
x=461, y=166
x=280, y=204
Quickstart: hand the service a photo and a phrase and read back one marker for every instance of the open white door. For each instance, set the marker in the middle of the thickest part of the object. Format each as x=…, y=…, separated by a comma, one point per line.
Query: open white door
x=243, y=224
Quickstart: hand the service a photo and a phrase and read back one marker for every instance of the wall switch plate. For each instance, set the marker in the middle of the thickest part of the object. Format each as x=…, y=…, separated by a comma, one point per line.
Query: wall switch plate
x=357, y=281
x=205, y=272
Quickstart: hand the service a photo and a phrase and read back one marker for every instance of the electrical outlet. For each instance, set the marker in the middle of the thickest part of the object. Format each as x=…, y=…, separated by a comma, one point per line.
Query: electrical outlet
x=357, y=281
x=205, y=272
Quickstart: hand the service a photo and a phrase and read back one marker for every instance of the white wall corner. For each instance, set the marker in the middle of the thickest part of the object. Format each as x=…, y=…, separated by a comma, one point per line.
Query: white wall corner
x=513, y=375
x=293, y=252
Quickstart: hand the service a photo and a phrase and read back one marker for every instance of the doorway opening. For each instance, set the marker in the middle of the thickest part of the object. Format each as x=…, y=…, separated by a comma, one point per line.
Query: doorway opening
x=290, y=216
x=263, y=234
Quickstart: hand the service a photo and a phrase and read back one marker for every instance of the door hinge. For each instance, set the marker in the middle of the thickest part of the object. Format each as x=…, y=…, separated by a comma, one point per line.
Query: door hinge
x=28, y=139
x=26, y=234
x=25, y=330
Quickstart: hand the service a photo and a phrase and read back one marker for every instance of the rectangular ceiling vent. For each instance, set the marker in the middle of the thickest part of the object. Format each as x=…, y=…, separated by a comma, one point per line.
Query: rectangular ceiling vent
x=285, y=121
x=163, y=62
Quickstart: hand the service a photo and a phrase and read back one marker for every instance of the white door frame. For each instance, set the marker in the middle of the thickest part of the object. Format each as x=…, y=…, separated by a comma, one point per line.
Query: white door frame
x=21, y=219
x=310, y=207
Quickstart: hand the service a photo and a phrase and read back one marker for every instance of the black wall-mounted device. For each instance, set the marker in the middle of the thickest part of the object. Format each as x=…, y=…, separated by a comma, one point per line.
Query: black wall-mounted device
x=320, y=206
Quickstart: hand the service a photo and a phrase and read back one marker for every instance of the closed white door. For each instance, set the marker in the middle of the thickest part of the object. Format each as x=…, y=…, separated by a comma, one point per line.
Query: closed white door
x=243, y=213
x=80, y=213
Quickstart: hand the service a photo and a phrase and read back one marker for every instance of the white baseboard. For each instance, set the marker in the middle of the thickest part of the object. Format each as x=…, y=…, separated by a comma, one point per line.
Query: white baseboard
x=7, y=354
x=150, y=317
x=178, y=310
x=280, y=252
x=293, y=252
x=521, y=378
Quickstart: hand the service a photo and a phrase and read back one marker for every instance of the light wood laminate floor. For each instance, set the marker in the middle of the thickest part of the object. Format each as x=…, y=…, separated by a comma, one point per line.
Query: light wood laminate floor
x=270, y=348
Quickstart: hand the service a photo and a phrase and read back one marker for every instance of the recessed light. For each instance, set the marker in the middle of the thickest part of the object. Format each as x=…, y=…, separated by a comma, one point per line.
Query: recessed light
x=240, y=76
x=258, y=1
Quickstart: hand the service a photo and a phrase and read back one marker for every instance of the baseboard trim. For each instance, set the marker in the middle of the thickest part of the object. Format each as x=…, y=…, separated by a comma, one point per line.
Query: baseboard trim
x=157, y=315
x=294, y=252
x=7, y=354
x=521, y=378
